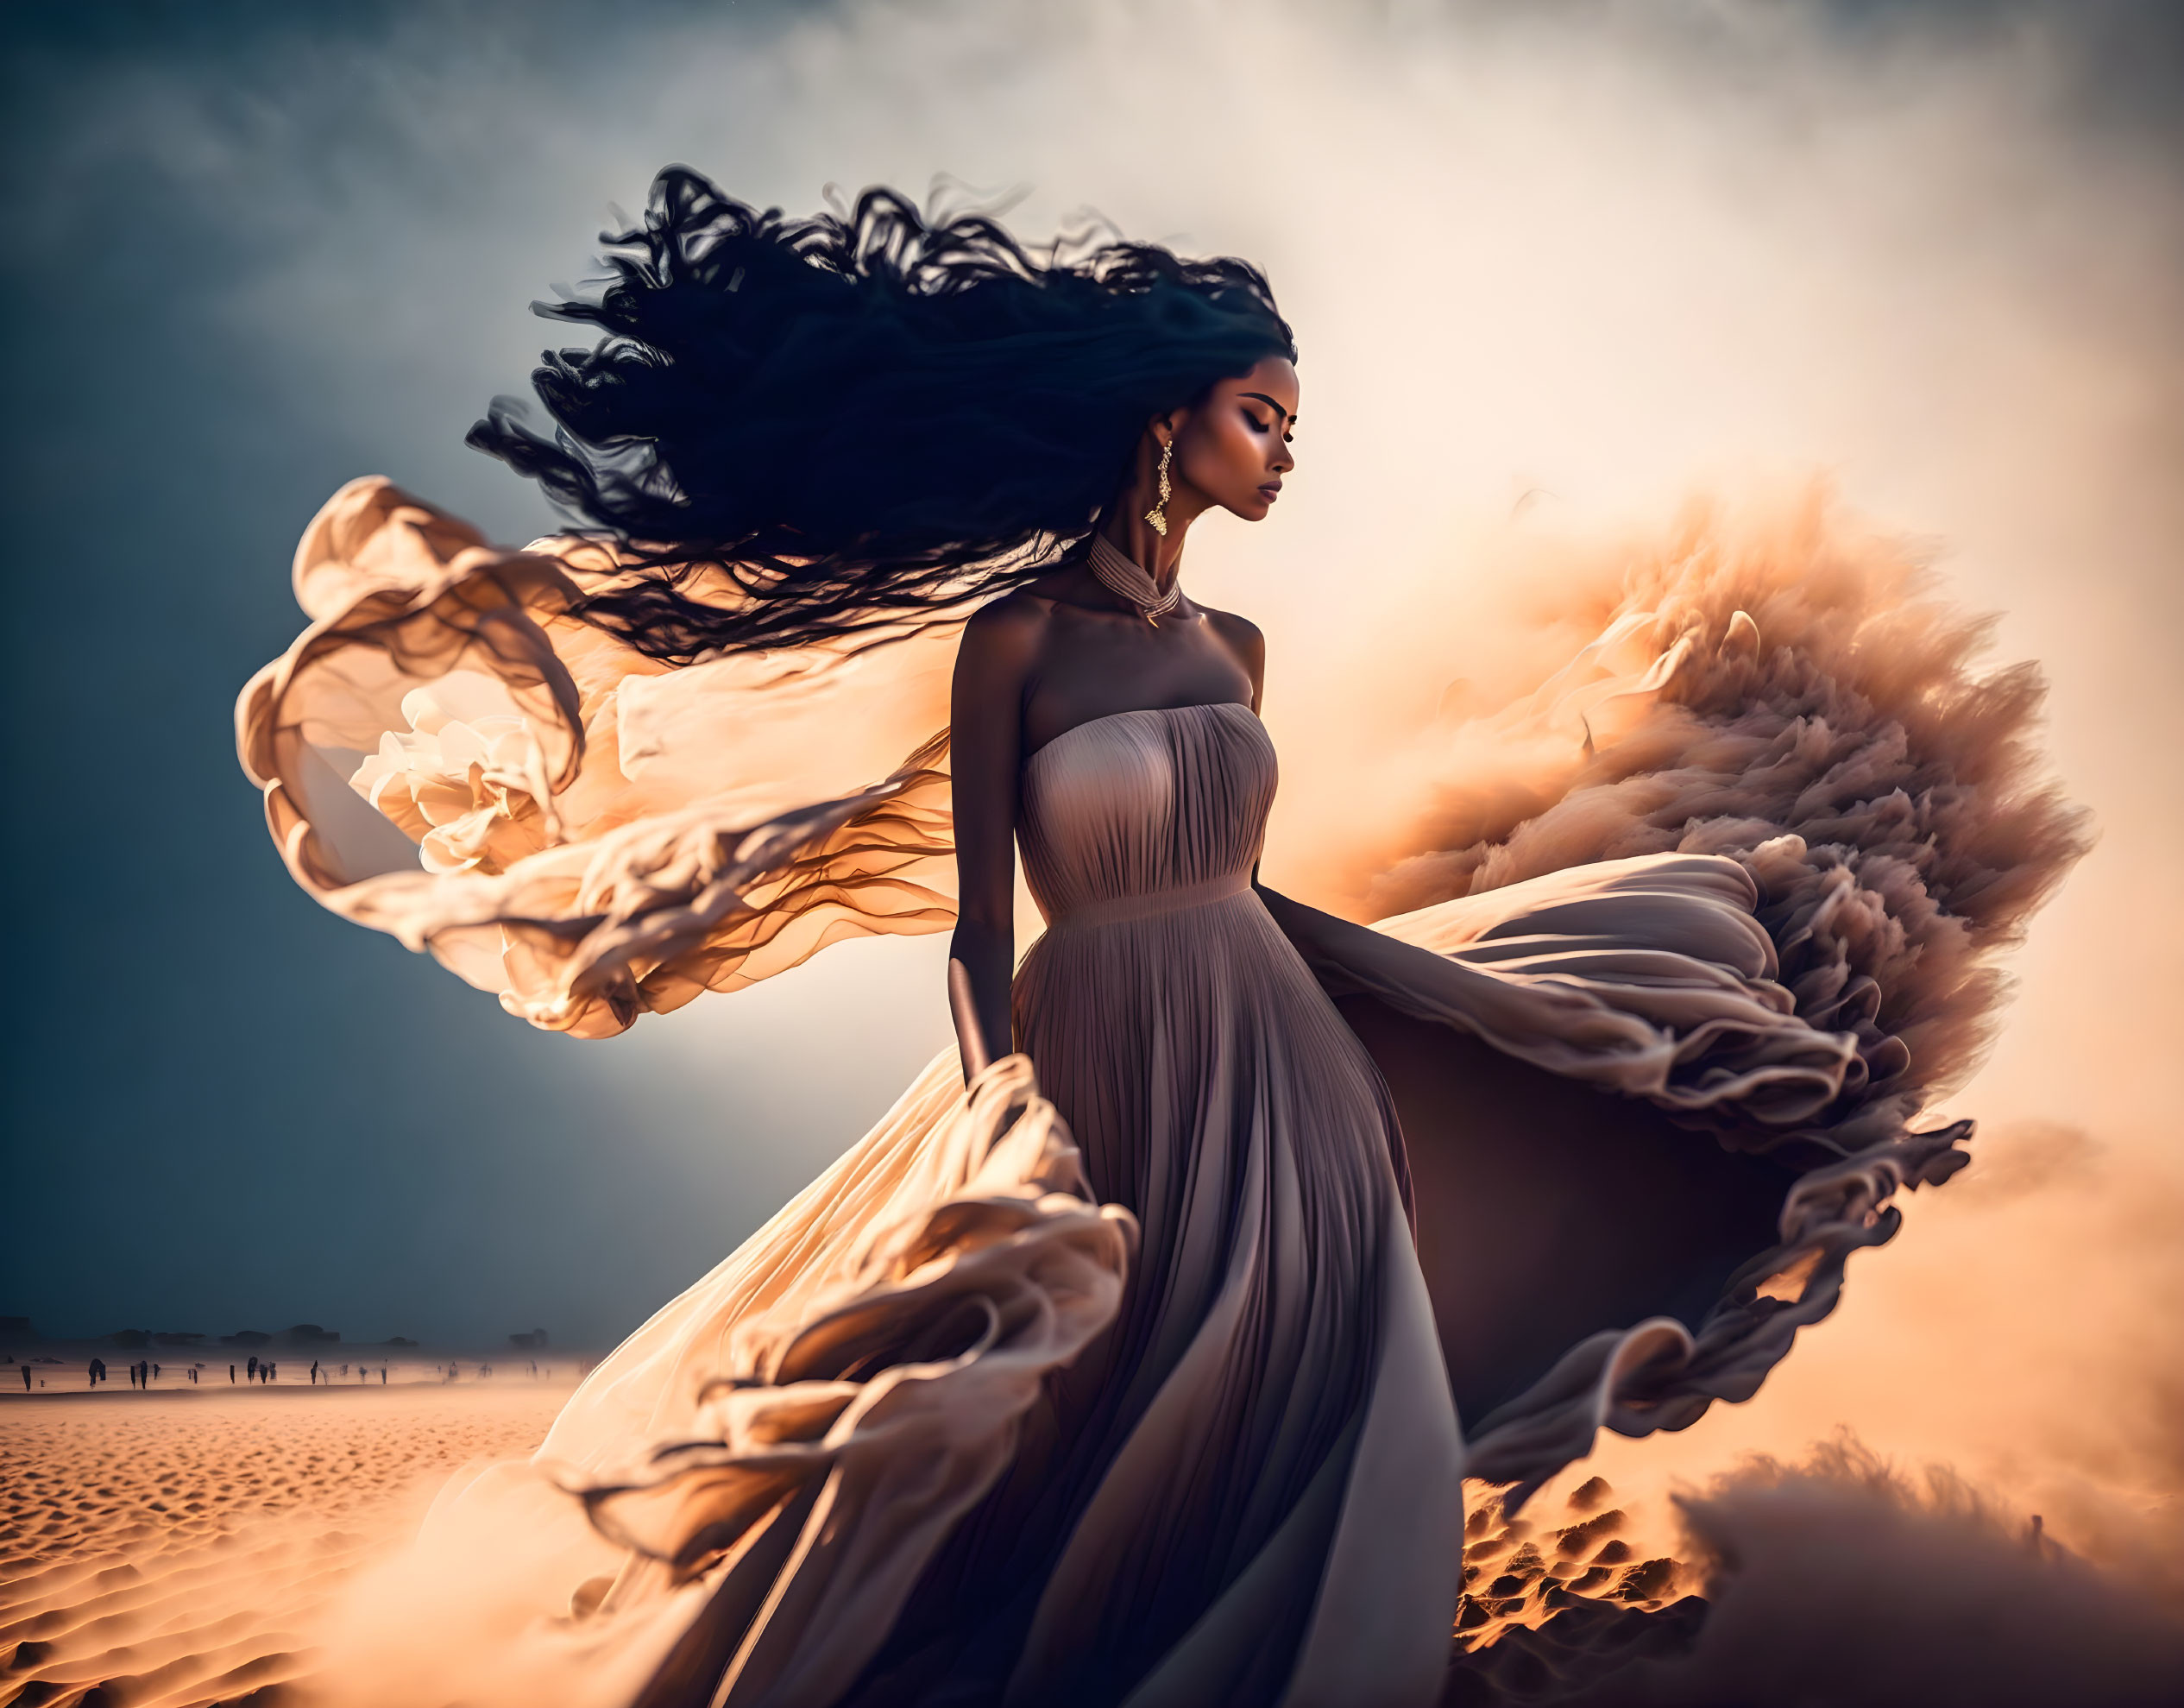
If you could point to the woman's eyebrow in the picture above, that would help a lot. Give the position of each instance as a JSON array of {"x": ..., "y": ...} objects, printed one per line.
[{"x": 1263, "y": 398}]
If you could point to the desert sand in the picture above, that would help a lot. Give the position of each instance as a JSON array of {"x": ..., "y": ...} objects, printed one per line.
[
  {"x": 178, "y": 1548},
  {"x": 174, "y": 1547}
]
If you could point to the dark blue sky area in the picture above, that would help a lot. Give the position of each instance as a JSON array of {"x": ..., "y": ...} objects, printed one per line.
[{"x": 225, "y": 1107}]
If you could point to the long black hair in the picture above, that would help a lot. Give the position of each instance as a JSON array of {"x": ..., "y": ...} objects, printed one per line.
[{"x": 862, "y": 417}]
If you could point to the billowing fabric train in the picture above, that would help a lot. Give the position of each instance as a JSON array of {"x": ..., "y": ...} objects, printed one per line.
[{"x": 1679, "y": 948}]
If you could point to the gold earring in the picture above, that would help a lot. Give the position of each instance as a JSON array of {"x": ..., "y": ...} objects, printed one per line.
[{"x": 1158, "y": 514}]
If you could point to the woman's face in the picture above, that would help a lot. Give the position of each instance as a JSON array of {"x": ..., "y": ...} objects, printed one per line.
[{"x": 1232, "y": 449}]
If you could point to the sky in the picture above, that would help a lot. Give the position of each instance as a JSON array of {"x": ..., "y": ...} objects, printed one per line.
[{"x": 1613, "y": 254}]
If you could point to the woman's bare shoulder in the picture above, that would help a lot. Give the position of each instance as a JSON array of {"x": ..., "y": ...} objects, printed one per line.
[
  {"x": 1006, "y": 631},
  {"x": 1243, "y": 636}
]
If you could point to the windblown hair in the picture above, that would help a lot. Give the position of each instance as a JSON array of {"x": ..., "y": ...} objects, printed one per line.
[{"x": 859, "y": 419}]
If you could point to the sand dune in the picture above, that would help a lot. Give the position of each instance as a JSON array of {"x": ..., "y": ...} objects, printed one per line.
[
  {"x": 174, "y": 1548},
  {"x": 177, "y": 1549}
]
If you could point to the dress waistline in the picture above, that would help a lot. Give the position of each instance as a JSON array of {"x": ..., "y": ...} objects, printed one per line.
[{"x": 1152, "y": 904}]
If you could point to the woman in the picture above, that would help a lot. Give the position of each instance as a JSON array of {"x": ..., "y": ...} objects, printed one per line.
[{"x": 1132, "y": 1384}]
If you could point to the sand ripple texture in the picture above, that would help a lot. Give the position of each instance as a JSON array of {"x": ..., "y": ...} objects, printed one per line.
[
  {"x": 164, "y": 1550},
  {"x": 173, "y": 1550}
]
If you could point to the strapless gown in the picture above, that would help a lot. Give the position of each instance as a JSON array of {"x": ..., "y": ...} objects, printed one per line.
[
  {"x": 1132, "y": 1373},
  {"x": 1229, "y": 1469},
  {"x": 1118, "y": 1380},
  {"x": 1248, "y": 1490}
]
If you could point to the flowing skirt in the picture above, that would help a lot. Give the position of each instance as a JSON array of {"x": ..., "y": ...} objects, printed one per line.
[{"x": 1248, "y": 1490}]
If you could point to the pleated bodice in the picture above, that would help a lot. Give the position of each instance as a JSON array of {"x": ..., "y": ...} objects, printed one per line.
[{"x": 1139, "y": 811}]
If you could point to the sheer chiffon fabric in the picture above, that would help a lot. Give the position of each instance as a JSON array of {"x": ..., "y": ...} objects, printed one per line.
[
  {"x": 448, "y": 755},
  {"x": 896, "y": 1449},
  {"x": 921, "y": 1441},
  {"x": 1124, "y": 1383}
]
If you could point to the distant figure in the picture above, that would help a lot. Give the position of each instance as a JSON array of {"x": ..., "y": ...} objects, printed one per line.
[
  {"x": 253, "y": 1367},
  {"x": 155, "y": 1370},
  {"x": 98, "y": 1372},
  {"x": 383, "y": 1376},
  {"x": 231, "y": 1376},
  {"x": 314, "y": 1373},
  {"x": 25, "y": 1378}
]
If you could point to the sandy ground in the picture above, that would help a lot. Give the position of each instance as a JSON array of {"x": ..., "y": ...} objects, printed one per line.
[
  {"x": 177, "y": 1549},
  {"x": 172, "y": 1548}
]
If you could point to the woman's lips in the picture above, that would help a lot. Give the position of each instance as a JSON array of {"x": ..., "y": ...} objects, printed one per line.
[{"x": 1270, "y": 491}]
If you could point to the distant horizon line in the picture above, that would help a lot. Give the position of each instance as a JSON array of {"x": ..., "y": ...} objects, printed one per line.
[{"x": 297, "y": 1337}]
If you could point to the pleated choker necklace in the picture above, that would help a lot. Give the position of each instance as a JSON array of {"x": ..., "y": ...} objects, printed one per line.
[{"x": 1125, "y": 578}]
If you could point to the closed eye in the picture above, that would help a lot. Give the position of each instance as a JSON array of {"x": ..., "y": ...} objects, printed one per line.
[{"x": 1287, "y": 436}]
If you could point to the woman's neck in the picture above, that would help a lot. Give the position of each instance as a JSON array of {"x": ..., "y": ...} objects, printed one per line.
[{"x": 1133, "y": 536}]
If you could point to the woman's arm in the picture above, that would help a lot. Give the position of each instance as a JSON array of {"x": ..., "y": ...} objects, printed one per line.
[
  {"x": 1249, "y": 647},
  {"x": 1244, "y": 640},
  {"x": 1320, "y": 937},
  {"x": 994, "y": 664}
]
